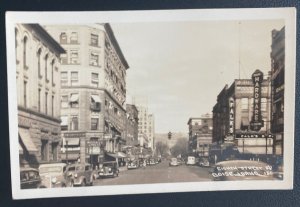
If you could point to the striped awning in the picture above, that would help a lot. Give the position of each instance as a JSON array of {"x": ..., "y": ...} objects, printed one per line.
[{"x": 27, "y": 141}]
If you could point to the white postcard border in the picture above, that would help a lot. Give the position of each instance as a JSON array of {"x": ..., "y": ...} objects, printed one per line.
[{"x": 288, "y": 14}]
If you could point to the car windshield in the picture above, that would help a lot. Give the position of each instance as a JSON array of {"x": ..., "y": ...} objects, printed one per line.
[
  {"x": 108, "y": 164},
  {"x": 51, "y": 169},
  {"x": 79, "y": 168}
]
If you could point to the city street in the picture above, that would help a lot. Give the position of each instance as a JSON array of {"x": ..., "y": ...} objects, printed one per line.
[{"x": 160, "y": 173}]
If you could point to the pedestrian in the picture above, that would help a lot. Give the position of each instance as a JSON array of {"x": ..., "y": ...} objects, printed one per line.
[{"x": 144, "y": 164}]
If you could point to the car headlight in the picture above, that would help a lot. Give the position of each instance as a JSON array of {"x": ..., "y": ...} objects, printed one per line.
[
  {"x": 54, "y": 180},
  {"x": 75, "y": 175},
  {"x": 109, "y": 169}
]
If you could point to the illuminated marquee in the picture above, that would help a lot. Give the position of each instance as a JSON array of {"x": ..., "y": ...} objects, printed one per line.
[{"x": 257, "y": 123}]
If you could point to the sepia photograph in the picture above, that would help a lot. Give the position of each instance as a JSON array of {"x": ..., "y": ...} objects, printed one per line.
[{"x": 150, "y": 102}]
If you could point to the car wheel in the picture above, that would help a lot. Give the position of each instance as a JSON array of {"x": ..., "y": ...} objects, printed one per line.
[{"x": 63, "y": 185}]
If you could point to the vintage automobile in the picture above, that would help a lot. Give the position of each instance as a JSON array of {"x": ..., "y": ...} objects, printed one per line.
[
  {"x": 242, "y": 170},
  {"x": 80, "y": 174},
  {"x": 132, "y": 164},
  {"x": 55, "y": 175},
  {"x": 109, "y": 169},
  {"x": 173, "y": 162},
  {"x": 204, "y": 162},
  {"x": 30, "y": 178},
  {"x": 152, "y": 161},
  {"x": 191, "y": 160}
]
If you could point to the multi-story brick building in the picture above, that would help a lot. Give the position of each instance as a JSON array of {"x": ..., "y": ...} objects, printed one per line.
[
  {"x": 200, "y": 134},
  {"x": 132, "y": 125},
  {"x": 277, "y": 79},
  {"x": 242, "y": 115},
  {"x": 93, "y": 91},
  {"x": 146, "y": 123},
  {"x": 38, "y": 95}
]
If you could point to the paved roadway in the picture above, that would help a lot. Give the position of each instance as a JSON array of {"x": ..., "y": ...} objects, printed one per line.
[{"x": 159, "y": 173}]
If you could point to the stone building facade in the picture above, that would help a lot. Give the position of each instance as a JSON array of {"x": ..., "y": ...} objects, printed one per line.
[
  {"x": 38, "y": 95},
  {"x": 93, "y": 81},
  {"x": 200, "y": 135},
  {"x": 132, "y": 125},
  {"x": 277, "y": 79},
  {"x": 242, "y": 116}
]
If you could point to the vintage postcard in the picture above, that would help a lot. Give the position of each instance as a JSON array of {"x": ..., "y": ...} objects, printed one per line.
[{"x": 129, "y": 102}]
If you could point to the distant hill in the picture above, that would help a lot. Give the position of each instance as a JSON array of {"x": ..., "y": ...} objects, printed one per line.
[{"x": 163, "y": 137}]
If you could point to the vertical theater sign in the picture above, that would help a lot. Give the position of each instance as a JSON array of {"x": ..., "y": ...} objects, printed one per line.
[{"x": 256, "y": 122}]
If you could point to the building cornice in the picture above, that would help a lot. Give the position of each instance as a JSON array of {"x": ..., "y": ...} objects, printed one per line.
[
  {"x": 42, "y": 33},
  {"x": 115, "y": 43},
  {"x": 28, "y": 110}
]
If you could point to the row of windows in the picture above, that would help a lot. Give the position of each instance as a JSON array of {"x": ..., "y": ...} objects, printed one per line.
[
  {"x": 46, "y": 101},
  {"x": 73, "y": 124},
  {"x": 245, "y": 103},
  {"x": 74, "y": 79},
  {"x": 74, "y": 39},
  {"x": 72, "y": 57},
  {"x": 46, "y": 60},
  {"x": 73, "y": 101}
]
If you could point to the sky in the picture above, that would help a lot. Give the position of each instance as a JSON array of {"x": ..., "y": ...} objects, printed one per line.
[{"x": 180, "y": 67}]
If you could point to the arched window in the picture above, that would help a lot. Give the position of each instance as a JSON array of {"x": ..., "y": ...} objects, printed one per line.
[
  {"x": 39, "y": 52},
  {"x": 63, "y": 38},
  {"x": 25, "y": 45},
  {"x": 52, "y": 72},
  {"x": 46, "y": 68},
  {"x": 16, "y": 44}
]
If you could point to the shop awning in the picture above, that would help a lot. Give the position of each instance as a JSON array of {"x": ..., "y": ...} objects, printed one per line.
[
  {"x": 96, "y": 98},
  {"x": 27, "y": 141},
  {"x": 74, "y": 97},
  {"x": 117, "y": 155},
  {"x": 71, "y": 141},
  {"x": 71, "y": 156},
  {"x": 20, "y": 149},
  {"x": 121, "y": 154},
  {"x": 64, "y": 121}
]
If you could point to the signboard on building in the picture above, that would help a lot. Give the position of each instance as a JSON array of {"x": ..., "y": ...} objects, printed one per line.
[
  {"x": 257, "y": 123},
  {"x": 93, "y": 147},
  {"x": 253, "y": 135},
  {"x": 74, "y": 134},
  {"x": 231, "y": 116}
]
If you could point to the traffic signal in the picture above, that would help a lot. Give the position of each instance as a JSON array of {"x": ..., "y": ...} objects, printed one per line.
[{"x": 169, "y": 135}]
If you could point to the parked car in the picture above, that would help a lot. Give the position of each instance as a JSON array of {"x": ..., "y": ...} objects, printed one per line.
[
  {"x": 191, "y": 160},
  {"x": 173, "y": 162},
  {"x": 109, "y": 169},
  {"x": 204, "y": 162},
  {"x": 132, "y": 164},
  {"x": 148, "y": 161},
  {"x": 80, "y": 174},
  {"x": 152, "y": 161},
  {"x": 180, "y": 161},
  {"x": 242, "y": 170},
  {"x": 55, "y": 175},
  {"x": 30, "y": 178}
]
